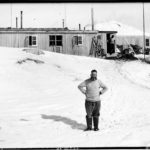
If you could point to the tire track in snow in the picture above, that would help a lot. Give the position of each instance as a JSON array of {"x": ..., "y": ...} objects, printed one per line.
[{"x": 126, "y": 75}]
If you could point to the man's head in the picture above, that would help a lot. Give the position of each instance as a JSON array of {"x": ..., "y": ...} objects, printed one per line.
[
  {"x": 94, "y": 75},
  {"x": 112, "y": 36}
]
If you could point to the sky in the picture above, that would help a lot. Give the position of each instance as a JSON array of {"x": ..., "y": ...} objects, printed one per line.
[{"x": 52, "y": 14}]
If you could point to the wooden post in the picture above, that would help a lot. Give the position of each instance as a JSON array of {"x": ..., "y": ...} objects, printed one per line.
[
  {"x": 79, "y": 26},
  {"x": 16, "y": 22},
  {"x": 63, "y": 23}
]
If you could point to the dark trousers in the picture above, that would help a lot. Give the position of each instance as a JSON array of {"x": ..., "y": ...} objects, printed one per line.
[
  {"x": 92, "y": 113},
  {"x": 92, "y": 109}
]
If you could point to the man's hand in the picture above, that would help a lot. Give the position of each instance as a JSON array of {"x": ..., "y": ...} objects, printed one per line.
[
  {"x": 83, "y": 91},
  {"x": 104, "y": 88}
]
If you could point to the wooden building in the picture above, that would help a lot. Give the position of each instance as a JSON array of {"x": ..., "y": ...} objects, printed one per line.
[{"x": 61, "y": 40}]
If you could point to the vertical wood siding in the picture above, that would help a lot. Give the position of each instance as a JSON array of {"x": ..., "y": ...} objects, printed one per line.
[{"x": 20, "y": 40}]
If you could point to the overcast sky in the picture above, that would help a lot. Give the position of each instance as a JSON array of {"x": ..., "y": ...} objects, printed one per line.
[{"x": 51, "y": 15}]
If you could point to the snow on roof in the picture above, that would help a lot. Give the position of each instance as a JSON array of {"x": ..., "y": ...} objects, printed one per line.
[{"x": 122, "y": 29}]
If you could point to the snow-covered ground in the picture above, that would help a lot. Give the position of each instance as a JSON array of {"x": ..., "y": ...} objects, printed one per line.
[{"x": 41, "y": 106}]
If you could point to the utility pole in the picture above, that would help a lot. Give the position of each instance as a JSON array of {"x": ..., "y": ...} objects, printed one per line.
[
  {"x": 92, "y": 18},
  {"x": 143, "y": 32},
  {"x": 11, "y": 13},
  {"x": 21, "y": 21},
  {"x": 65, "y": 19}
]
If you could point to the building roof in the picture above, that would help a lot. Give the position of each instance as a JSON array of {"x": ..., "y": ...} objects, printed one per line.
[
  {"x": 46, "y": 30},
  {"x": 111, "y": 32},
  {"x": 33, "y": 29}
]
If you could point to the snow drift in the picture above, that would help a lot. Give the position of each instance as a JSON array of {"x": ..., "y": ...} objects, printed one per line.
[{"x": 41, "y": 106}]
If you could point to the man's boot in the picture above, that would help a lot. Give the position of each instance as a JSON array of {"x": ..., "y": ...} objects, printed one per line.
[
  {"x": 89, "y": 123},
  {"x": 96, "y": 121}
]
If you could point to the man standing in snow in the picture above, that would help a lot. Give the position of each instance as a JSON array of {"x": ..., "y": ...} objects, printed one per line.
[{"x": 91, "y": 88}]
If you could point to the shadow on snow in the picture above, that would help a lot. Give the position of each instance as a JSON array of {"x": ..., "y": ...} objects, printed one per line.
[{"x": 74, "y": 124}]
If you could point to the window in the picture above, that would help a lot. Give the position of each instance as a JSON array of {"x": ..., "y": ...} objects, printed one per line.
[
  {"x": 147, "y": 42},
  {"x": 55, "y": 40},
  {"x": 32, "y": 40},
  {"x": 77, "y": 40}
]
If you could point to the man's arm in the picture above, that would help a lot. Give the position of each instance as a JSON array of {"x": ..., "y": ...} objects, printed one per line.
[
  {"x": 104, "y": 88},
  {"x": 82, "y": 86}
]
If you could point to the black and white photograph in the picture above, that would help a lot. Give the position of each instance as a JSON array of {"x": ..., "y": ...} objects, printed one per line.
[{"x": 74, "y": 75}]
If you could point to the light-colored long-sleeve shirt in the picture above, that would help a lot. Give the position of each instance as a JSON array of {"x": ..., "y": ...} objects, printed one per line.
[{"x": 92, "y": 89}]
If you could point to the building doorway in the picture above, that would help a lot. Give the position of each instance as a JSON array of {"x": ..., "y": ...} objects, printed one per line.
[{"x": 110, "y": 43}]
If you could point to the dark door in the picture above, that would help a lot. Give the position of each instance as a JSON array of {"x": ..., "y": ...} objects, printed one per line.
[{"x": 110, "y": 43}]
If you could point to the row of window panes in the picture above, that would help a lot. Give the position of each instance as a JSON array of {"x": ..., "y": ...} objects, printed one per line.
[
  {"x": 57, "y": 40},
  {"x": 54, "y": 40}
]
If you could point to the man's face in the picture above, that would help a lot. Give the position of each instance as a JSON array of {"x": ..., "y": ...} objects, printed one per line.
[{"x": 93, "y": 75}]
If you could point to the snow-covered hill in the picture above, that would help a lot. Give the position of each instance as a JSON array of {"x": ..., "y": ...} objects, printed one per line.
[
  {"x": 41, "y": 106},
  {"x": 122, "y": 29}
]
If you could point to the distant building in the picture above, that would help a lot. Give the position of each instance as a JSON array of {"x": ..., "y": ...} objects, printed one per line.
[{"x": 61, "y": 40}]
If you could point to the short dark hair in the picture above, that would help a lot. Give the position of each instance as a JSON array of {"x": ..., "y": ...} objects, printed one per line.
[
  {"x": 112, "y": 36},
  {"x": 94, "y": 71}
]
